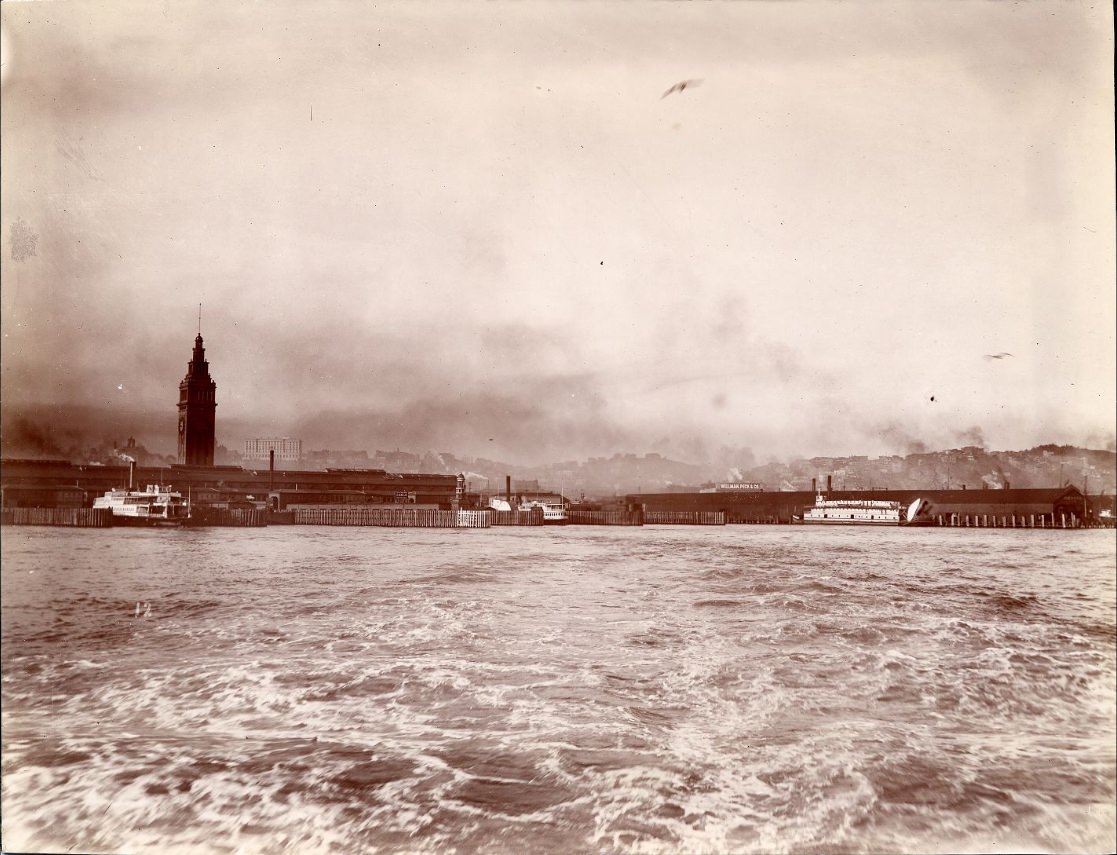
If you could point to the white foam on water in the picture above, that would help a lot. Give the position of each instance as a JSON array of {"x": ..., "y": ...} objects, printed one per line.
[{"x": 658, "y": 692}]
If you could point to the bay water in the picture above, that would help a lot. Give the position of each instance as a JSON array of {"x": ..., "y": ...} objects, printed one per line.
[{"x": 737, "y": 689}]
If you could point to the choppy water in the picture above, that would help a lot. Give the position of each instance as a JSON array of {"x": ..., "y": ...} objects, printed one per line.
[{"x": 737, "y": 689}]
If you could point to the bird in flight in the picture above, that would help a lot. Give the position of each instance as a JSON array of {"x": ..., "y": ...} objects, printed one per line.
[
  {"x": 679, "y": 87},
  {"x": 1000, "y": 355}
]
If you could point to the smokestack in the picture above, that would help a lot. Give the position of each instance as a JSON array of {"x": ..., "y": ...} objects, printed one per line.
[
  {"x": 829, "y": 484},
  {"x": 131, "y": 474},
  {"x": 508, "y": 489},
  {"x": 271, "y": 469},
  {"x": 814, "y": 485}
]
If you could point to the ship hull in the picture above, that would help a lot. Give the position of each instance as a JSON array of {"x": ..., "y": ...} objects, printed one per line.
[
  {"x": 157, "y": 506},
  {"x": 852, "y": 512},
  {"x": 144, "y": 522},
  {"x": 850, "y": 522}
]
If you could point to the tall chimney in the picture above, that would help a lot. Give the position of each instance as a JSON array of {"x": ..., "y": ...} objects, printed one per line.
[{"x": 271, "y": 469}]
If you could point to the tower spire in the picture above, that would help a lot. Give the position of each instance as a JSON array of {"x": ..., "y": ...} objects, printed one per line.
[{"x": 197, "y": 401}]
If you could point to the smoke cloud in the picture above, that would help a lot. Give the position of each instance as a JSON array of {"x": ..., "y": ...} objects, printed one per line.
[{"x": 484, "y": 232}]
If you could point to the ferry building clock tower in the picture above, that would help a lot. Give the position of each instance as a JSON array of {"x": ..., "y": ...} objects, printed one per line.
[{"x": 197, "y": 405}]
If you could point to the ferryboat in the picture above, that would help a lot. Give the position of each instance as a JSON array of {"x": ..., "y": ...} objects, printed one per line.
[
  {"x": 554, "y": 512},
  {"x": 157, "y": 505},
  {"x": 852, "y": 512}
]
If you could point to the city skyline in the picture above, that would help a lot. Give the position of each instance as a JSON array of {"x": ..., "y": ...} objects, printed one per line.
[{"x": 507, "y": 231}]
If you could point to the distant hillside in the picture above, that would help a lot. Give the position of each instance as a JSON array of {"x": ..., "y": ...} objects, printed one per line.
[
  {"x": 972, "y": 467},
  {"x": 101, "y": 435}
]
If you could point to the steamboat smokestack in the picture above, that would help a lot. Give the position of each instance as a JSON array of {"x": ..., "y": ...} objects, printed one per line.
[
  {"x": 131, "y": 475},
  {"x": 829, "y": 484},
  {"x": 271, "y": 469},
  {"x": 814, "y": 485},
  {"x": 508, "y": 489}
]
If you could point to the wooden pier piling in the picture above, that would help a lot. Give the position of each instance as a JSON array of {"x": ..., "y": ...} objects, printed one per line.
[
  {"x": 360, "y": 515},
  {"x": 68, "y": 517},
  {"x": 684, "y": 517},
  {"x": 476, "y": 519},
  {"x": 625, "y": 518},
  {"x": 392, "y": 517},
  {"x": 207, "y": 517}
]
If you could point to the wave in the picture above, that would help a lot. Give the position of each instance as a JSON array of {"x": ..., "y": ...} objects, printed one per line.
[{"x": 725, "y": 691}]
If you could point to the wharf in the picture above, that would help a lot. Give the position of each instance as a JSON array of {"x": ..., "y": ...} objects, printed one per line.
[{"x": 67, "y": 517}]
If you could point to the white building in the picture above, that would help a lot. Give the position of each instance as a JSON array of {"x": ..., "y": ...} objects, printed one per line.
[{"x": 286, "y": 450}]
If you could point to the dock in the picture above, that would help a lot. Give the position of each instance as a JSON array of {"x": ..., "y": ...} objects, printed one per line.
[{"x": 68, "y": 517}]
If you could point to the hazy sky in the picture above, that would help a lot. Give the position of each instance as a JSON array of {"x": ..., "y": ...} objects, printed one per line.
[{"x": 483, "y": 228}]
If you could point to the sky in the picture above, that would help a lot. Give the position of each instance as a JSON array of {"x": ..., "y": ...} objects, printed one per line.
[{"x": 498, "y": 230}]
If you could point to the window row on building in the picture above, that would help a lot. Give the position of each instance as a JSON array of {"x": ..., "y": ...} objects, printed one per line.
[{"x": 285, "y": 448}]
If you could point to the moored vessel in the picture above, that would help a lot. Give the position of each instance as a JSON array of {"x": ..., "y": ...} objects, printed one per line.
[
  {"x": 554, "y": 512},
  {"x": 852, "y": 512},
  {"x": 157, "y": 505}
]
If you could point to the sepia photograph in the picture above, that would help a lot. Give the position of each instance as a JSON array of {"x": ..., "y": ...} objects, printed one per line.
[{"x": 617, "y": 427}]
